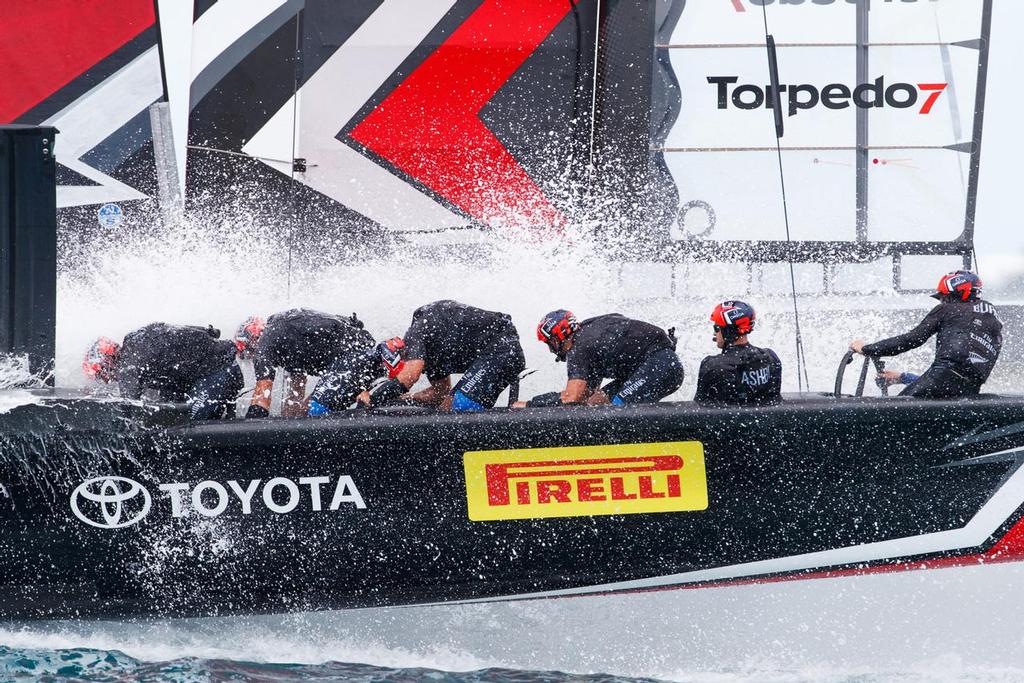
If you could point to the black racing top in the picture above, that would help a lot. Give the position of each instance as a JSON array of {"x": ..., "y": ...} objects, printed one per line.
[
  {"x": 350, "y": 375},
  {"x": 740, "y": 375},
  {"x": 969, "y": 338},
  {"x": 170, "y": 359},
  {"x": 449, "y": 336},
  {"x": 613, "y": 346},
  {"x": 307, "y": 341}
]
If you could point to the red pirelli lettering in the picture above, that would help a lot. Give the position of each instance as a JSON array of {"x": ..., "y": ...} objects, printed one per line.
[
  {"x": 557, "y": 491},
  {"x": 500, "y": 476},
  {"x": 590, "y": 489}
]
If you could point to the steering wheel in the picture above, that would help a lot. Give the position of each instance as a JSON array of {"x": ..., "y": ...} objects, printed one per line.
[{"x": 868, "y": 360}]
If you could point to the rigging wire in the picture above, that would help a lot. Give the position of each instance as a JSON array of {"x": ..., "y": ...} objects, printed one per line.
[
  {"x": 292, "y": 198},
  {"x": 801, "y": 359},
  {"x": 232, "y": 153}
]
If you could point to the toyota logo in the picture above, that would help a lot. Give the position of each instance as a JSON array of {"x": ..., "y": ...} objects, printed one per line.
[{"x": 110, "y": 502}]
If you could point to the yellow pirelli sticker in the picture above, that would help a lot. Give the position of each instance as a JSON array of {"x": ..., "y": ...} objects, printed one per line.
[{"x": 583, "y": 481}]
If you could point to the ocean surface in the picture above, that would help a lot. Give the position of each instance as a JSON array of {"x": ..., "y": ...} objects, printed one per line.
[
  {"x": 100, "y": 665},
  {"x": 948, "y": 625}
]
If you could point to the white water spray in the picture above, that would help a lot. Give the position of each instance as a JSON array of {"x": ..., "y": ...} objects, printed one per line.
[{"x": 218, "y": 267}]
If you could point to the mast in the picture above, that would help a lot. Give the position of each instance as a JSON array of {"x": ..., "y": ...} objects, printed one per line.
[
  {"x": 863, "y": 36},
  {"x": 979, "y": 123}
]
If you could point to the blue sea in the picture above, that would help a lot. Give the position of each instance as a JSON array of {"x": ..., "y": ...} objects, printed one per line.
[{"x": 99, "y": 665}]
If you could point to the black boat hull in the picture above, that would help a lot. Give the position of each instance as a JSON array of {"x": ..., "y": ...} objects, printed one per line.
[{"x": 111, "y": 512}]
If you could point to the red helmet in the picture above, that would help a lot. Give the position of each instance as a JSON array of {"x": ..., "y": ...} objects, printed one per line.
[
  {"x": 390, "y": 352},
  {"x": 100, "y": 362},
  {"x": 556, "y": 327},
  {"x": 733, "y": 318},
  {"x": 961, "y": 285},
  {"x": 247, "y": 335}
]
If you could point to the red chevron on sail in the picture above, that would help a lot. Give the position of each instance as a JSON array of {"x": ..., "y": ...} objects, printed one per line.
[
  {"x": 48, "y": 44},
  {"x": 429, "y": 126}
]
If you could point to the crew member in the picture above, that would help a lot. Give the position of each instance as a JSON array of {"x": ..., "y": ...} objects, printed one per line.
[
  {"x": 969, "y": 338},
  {"x": 639, "y": 358},
  {"x": 179, "y": 363},
  {"x": 301, "y": 341},
  {"x": 447, "y": 337},
  {"x": 743, "y": 374},
  {"x": 353, "y": 374}
]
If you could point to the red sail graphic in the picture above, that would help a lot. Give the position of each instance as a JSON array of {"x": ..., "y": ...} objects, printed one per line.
[
  {"x": 49, "y": 43},
  {"x": 429, "y": 126}
]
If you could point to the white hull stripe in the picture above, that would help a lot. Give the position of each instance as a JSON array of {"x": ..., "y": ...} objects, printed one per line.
[{"x": 986, "y": 522}]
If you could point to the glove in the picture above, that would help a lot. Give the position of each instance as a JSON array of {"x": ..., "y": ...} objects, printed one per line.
[
  {"x": 256, "y": 411},
  {"x": 317, "y": 409},
  {"x": 548, "y": 400},
  {"x": 388, "y": 391}
]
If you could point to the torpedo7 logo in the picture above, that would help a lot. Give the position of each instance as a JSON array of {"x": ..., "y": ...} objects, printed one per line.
[
  {"x": 585, "y": 481},
  {"x": 832, "y": 96}
]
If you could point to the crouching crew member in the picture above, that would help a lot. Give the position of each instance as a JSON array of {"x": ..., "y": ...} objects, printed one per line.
[
  {"x": 352, "y": 375},
  {"x": 447, "y": 337},
  {"x": 969, "y": 338},
  {"x": 301, "y": 341},
  {"x": 639, "y": 358},
  {"x": 742, "y": 374},
  {"x": 177, "y": 363}
]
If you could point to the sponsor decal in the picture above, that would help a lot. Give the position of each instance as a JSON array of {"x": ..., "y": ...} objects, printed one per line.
[
  {"x": 110, "y": 502},
  {"x": 113, "y": 502},
  {"x": 986, "y": 342},
  {"x": 109, "y": 216},
  {"x": 757, "y": 377},
  {"x": 984, "y": 307},
  {"x": 832, "y": 96},
  {"x": 582, "y": 481}
]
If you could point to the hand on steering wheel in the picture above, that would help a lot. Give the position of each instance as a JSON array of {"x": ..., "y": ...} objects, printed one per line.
[{"x": 890, "y": 377}]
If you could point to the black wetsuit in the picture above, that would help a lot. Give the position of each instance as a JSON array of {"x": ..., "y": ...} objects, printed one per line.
[
  {"x": 455, "y": 338},
  {"x": 969, "y": 338},
  {"x": 347, "y": 377},
  {"x": 740, "y": 375},
  {"x": 638, "y": 357},
  {"x": 308, "y": 342},
  {"x": 181, "y": 363}
]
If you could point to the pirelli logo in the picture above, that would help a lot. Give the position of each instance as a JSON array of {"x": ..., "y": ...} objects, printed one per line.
[{"x": 582, "y": 481}]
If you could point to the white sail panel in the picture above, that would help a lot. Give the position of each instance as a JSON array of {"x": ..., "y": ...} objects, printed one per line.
[{"x": 919, "y": 97}]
